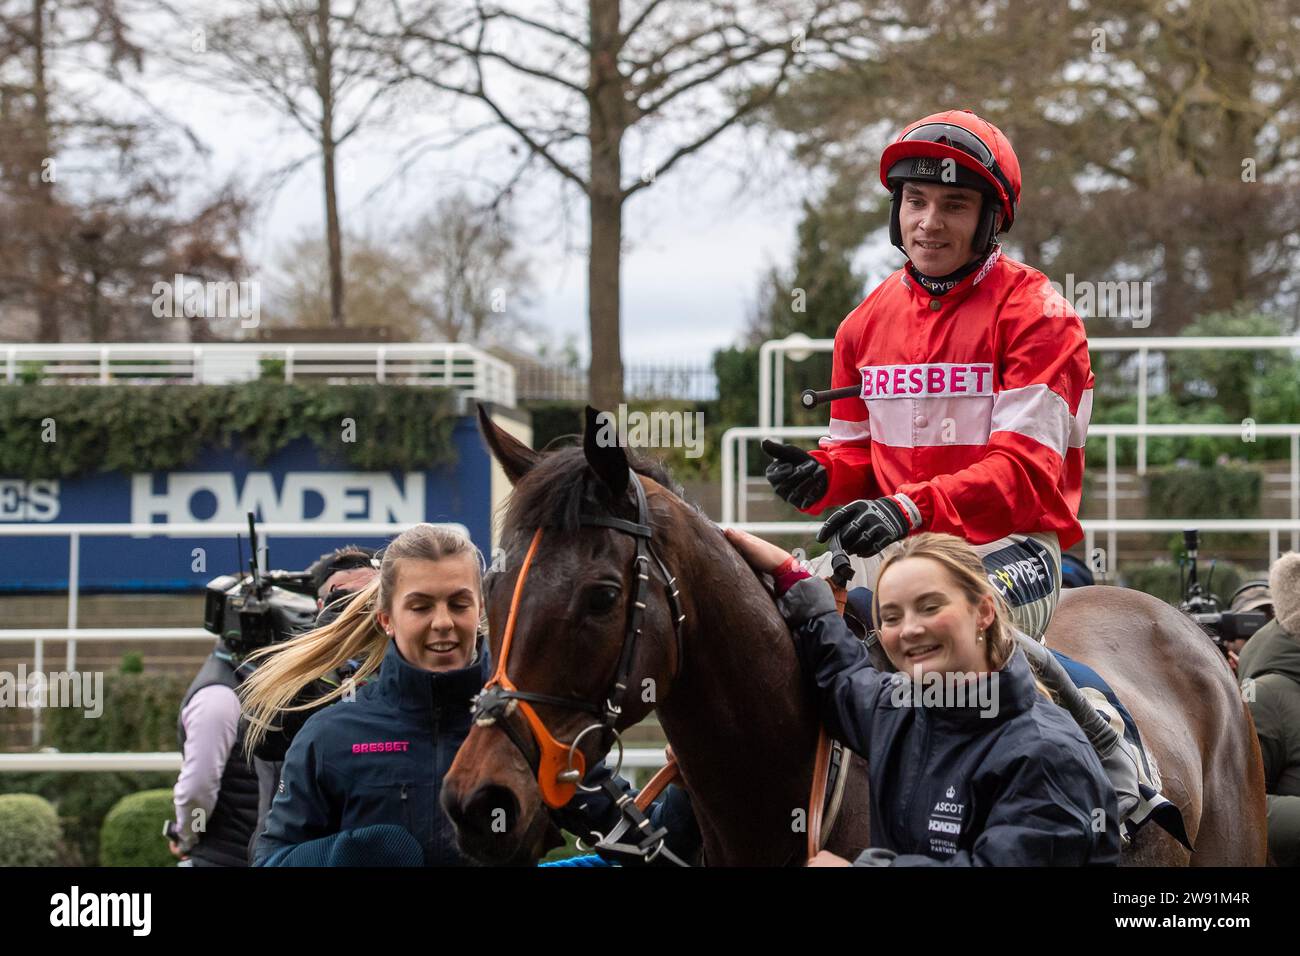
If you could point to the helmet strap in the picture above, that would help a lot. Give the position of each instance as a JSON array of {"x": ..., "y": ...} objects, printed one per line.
[
  {"x": 984, "y": 239},
  {"x": 982, "y": 242},
  {"x": 895, "y": 229}
]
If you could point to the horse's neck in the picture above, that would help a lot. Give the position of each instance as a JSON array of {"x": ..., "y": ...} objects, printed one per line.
[{"x": 740, "y": 719}]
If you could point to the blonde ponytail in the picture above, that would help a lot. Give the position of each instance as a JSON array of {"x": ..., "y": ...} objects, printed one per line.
[{"x": 283, "y": 670}]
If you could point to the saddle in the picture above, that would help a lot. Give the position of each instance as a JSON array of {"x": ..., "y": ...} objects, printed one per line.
[{"x": 1151, "y": 803}]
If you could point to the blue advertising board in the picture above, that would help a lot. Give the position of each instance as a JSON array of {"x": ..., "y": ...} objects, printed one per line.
[{"x": 222, "y": 486}]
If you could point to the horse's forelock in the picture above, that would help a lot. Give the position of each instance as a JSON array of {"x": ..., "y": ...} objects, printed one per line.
[{"x": 561, "y": 487}]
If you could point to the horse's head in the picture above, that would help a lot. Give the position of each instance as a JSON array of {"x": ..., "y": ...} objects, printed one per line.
[{"x": 577, "y": 633}]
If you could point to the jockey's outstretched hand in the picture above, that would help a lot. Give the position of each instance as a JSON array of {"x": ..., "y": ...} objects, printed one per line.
[
  {"x": 795, "y": 475},
  {"x": 867, "y": 527}
]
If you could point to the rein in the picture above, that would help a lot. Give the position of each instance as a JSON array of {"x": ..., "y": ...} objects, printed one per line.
[{"x": 559, "y": 768}]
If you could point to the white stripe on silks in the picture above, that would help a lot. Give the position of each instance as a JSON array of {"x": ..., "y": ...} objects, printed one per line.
[
  {"x": 1079, "y": 421},
  {"x": 842, "y": 431},
  {"x": 1036, "y": 412},
  {"x": 910, "y": 509},
  {"x": 930, "y": 422}
]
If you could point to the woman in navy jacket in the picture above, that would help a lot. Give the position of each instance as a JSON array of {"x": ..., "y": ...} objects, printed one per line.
[
  {"x": 970, "y": 762},
  {"x": 362, "y": 779}
]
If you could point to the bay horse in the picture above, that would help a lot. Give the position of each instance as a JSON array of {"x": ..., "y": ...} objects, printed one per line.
[{"x": 741, "y": 718}]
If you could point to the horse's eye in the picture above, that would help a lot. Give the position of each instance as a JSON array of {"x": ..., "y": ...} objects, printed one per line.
[{"x": 601, "y": 599}]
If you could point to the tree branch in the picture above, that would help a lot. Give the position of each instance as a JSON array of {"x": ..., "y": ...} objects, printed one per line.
[
  {"x": 635, "y": 25},
  {"x": 753, "y": 103},
  {"x": 478, "y": 51},
  {"x": 510, "y": 124},
  {"x": 537, "y": 25},
  {"x": 655, "y": 105}
]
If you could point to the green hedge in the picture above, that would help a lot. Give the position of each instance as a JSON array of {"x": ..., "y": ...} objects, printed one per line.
[
  {"x": 139, "y": 715},
  {"x": 129, "y": 428},
  {"x": 132, "y": 832},
  {"x": 83, "y": 800},
  {"x": 29, "y": 831},
  {"x": 1220, "y": 491},
  {"x": 1161, "y": 579},
  {"x": 140, "y": 712}
]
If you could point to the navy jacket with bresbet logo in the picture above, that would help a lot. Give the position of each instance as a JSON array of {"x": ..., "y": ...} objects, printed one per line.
[
  {"x": 1015, "y": 785},
  {"x": 359, "y": 769}
]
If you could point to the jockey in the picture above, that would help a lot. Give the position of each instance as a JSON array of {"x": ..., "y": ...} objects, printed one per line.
[
  {"x": 975, "y": 388},
  {"x": 975, "y": 382}
]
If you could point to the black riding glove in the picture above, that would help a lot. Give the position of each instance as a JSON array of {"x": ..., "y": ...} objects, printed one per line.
[
  {"x": 867, "y": 527},
  {"x": 795, "y": 475}
]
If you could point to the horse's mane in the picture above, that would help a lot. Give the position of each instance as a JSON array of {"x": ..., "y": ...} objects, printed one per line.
[{"x": 561, "y": 487}]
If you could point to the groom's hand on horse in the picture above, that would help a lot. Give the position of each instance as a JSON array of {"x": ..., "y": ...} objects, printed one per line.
[
  {"x": 867, "y": 527},
  {"x": 794, "y": 474},
  {"x": 763, "y": 556}
]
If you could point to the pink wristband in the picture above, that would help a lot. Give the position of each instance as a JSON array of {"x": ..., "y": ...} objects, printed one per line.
[{"x": 787, "y": 575}]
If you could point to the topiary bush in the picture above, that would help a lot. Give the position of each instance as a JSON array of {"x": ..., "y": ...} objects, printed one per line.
[
  {"x": 30, "y": 834},
  {"x": 132, "y": 831},
  {"x": 83, "y": 800}
]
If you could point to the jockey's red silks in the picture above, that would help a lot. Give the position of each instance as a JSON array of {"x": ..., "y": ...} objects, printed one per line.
[{"x": 972, "y": 408}]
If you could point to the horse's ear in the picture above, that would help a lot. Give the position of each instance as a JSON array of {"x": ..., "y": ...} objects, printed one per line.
[
  {"x": 516, "y": 458},
  {"x": 604, "y": 454}
]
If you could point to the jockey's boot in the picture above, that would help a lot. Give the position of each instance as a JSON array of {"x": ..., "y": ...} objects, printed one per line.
[{"x": 1118, "y": 757}]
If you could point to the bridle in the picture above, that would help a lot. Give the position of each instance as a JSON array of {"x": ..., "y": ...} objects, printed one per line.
[{"x": 559, "y": 767}]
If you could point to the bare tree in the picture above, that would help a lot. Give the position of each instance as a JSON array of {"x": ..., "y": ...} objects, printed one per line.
[
  {"x": 378, "y": 278},
  {"x": 1158, "y": 142},
  {"x": 467, "y": 272},
  {"x": 89, "y": 211},
  {"x": 301, "y": 58},
  {"x": 34, "y": 37},
  {"x": 581, "y": 89},
  {"x": 449, "y": 277}
]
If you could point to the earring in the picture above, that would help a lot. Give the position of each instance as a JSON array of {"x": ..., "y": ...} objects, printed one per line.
[{"x": 980, "y": 638}]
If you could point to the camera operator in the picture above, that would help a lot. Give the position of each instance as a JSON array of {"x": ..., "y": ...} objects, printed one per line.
[
  {"x": 216, "y": 793},
  {"x": 1251, "y": 596},
  {"x": 1269, "y": 670},
  {"x": 336, "y": 576}
]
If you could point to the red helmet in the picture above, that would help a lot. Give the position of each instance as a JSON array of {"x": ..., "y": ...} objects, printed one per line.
[{"x": 983, "y": 156}]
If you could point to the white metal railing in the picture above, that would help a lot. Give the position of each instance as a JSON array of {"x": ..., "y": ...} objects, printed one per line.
[
  {"x": 469, "y": 370},
  {"x": 797, "y": 347},
  {"x": 735, "y": 487},
  {"x": 634, "y": 758},
  {"x": 191, "y": 529}
]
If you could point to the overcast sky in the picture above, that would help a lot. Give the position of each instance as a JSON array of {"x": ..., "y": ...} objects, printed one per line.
[{"x": 696, "y": 242}]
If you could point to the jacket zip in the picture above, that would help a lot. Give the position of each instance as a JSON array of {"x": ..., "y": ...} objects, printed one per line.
[{"x": 904, "y": 836}]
